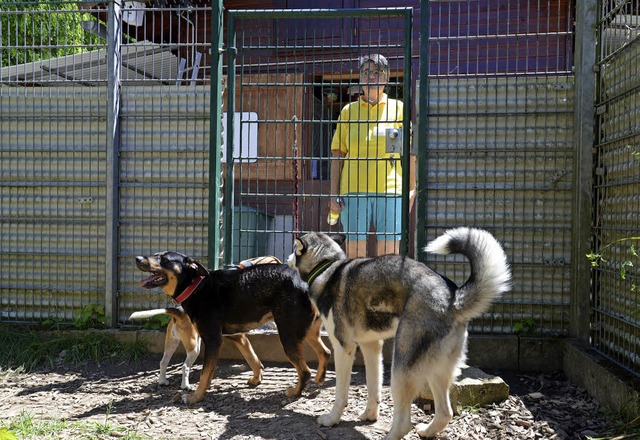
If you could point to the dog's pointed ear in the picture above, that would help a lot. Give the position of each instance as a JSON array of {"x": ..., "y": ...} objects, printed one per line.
[
  {"x": 299, "y": 246},
  {"x": 202, "y": 270},
  {"x": 198, "y": 268},
  {"x": 338, "y": 238}
]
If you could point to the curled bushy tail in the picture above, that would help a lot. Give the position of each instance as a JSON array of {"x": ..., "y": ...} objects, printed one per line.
[{"x": 490, "y": 273}]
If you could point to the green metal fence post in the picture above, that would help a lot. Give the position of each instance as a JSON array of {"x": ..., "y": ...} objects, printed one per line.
[
  {"x": 229, "y": 219},
  {"x": 585, "y": 59},
  {"x": 114, "y": 39},
  {"x": 422, "y": 126},
  {"x": 215, "y": 139},
  {"x": 406, "y": 124}
]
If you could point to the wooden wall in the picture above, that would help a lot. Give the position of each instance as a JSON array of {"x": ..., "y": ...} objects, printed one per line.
[{"x": 276, "y": 101}]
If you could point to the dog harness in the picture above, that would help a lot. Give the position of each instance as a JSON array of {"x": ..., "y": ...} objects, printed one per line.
[
  {"x": 321, "y": 267},
  {"x": 189, "y": 290},
  {"x": 267, "y": 259}
]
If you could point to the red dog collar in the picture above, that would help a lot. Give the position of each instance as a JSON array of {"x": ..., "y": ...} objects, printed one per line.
[{"x": 189, "y": 290}]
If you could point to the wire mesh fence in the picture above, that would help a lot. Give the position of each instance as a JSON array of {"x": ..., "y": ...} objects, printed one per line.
[
  {"x": 294, "y": 75},
  {"x": 53, "y": 165},
  {"x": 86, "y": 170},
  {"x": 498, "y": 151},
  {"x": 500, "y": 148},
  {"x": 615, "y": 329}
]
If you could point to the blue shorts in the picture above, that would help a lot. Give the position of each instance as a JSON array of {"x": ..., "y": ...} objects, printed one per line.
[{"x": 360, "y": 209}]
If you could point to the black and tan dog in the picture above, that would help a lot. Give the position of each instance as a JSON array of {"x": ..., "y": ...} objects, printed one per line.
[
  {"x": 232, "y": 302},
  {"x": 181, "y": 330}
]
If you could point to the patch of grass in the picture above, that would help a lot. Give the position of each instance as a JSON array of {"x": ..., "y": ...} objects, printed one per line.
[
  {"x": 5, "y": 434},
  {"x": 101, "y": 430},
  {"x": 626, "y": 421},
  {"x": 472, "y": 409},
  {"x": 28, "y": 350},
  {"x": 91, "y": 316},
  {"x": 624, "y": 424},
  {"x": 26, "y": 426}
]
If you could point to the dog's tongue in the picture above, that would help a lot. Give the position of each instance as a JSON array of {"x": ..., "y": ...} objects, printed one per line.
[{"x": 150, "y": 282}]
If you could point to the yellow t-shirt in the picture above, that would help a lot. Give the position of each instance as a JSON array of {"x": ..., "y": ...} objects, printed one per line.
[{"x": 361, "y": 136}]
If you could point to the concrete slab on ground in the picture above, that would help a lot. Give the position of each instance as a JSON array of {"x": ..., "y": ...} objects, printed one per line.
[{"x": 473, "y": 387}]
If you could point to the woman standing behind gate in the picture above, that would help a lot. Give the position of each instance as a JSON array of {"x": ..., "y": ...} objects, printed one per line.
[{"x": 369, "y": 180}]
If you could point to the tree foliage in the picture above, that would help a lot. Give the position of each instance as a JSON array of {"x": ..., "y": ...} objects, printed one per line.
[{"x": 38, "y": 30}]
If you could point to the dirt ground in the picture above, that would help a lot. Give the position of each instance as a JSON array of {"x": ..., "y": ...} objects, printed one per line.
[{"x": 127, "y": 395}]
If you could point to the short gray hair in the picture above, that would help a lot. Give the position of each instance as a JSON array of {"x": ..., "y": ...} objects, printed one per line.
[{"x": 377, "y": 59}]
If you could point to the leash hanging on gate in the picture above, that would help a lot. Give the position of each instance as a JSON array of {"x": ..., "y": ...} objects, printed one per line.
[{"x": 296, "y": 177}]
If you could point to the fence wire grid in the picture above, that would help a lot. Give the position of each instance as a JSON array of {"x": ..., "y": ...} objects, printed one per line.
[{"x": 79, "y": 202}]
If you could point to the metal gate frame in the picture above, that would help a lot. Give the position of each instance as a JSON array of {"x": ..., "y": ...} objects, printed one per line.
[
  {"x": 405, "y": 13},
  {"x": 553, "y": 309},
  {"x": 215, "y": 136}
]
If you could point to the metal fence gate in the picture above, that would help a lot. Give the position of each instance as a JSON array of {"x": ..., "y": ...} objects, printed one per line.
[
  {"x": 499, "y": 146},
  {"x": 292, "y": 73},
  {"x": 615, "y": 330}
]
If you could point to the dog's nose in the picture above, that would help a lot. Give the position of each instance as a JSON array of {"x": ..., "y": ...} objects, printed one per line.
[{"x": 139, "y": 259}]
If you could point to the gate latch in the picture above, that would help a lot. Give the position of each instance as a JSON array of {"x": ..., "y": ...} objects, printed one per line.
[{"x": 394, "y": 140}]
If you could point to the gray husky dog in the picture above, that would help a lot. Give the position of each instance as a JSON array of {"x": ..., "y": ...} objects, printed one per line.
[{"x": 366, "y": 300}]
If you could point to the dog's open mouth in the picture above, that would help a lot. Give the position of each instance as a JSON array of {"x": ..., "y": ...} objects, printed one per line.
[{"x": 155, "y": 280}]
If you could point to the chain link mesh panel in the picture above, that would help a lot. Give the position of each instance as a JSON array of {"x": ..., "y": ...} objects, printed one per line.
[{"x": 615, "y": 329}]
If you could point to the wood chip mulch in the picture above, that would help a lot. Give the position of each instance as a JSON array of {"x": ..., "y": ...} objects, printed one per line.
[{"x": 540, "y": 406}]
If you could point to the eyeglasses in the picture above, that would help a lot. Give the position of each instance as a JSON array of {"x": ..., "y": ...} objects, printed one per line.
[{"x": 376, "y": 72}]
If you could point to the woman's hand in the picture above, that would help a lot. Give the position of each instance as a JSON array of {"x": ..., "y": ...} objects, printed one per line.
[{"x": 336, "y": 204}]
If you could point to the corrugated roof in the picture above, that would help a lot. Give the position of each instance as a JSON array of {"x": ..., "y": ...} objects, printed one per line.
[{"x": 141, "y": 62}]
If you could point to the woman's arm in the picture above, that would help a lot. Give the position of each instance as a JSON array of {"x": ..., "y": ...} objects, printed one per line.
[{"x": 336, "y": 172}]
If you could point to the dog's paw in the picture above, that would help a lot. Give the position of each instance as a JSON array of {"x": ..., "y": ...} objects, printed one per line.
[
  {"x": 190, "y": 399},
  {"x": 369, "y": 415},
  {"x": 186, "y": 387},
  {"x": 163, "y": 382},
  {"x": 254, "y": 381},
  {"x": 328, "y": 420},
  {"x": 396, "y": 434},
  {"x": 424, "y": 430},
  {"x": 319, "y": 379},
  {"x": 294, "y": 392}
]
